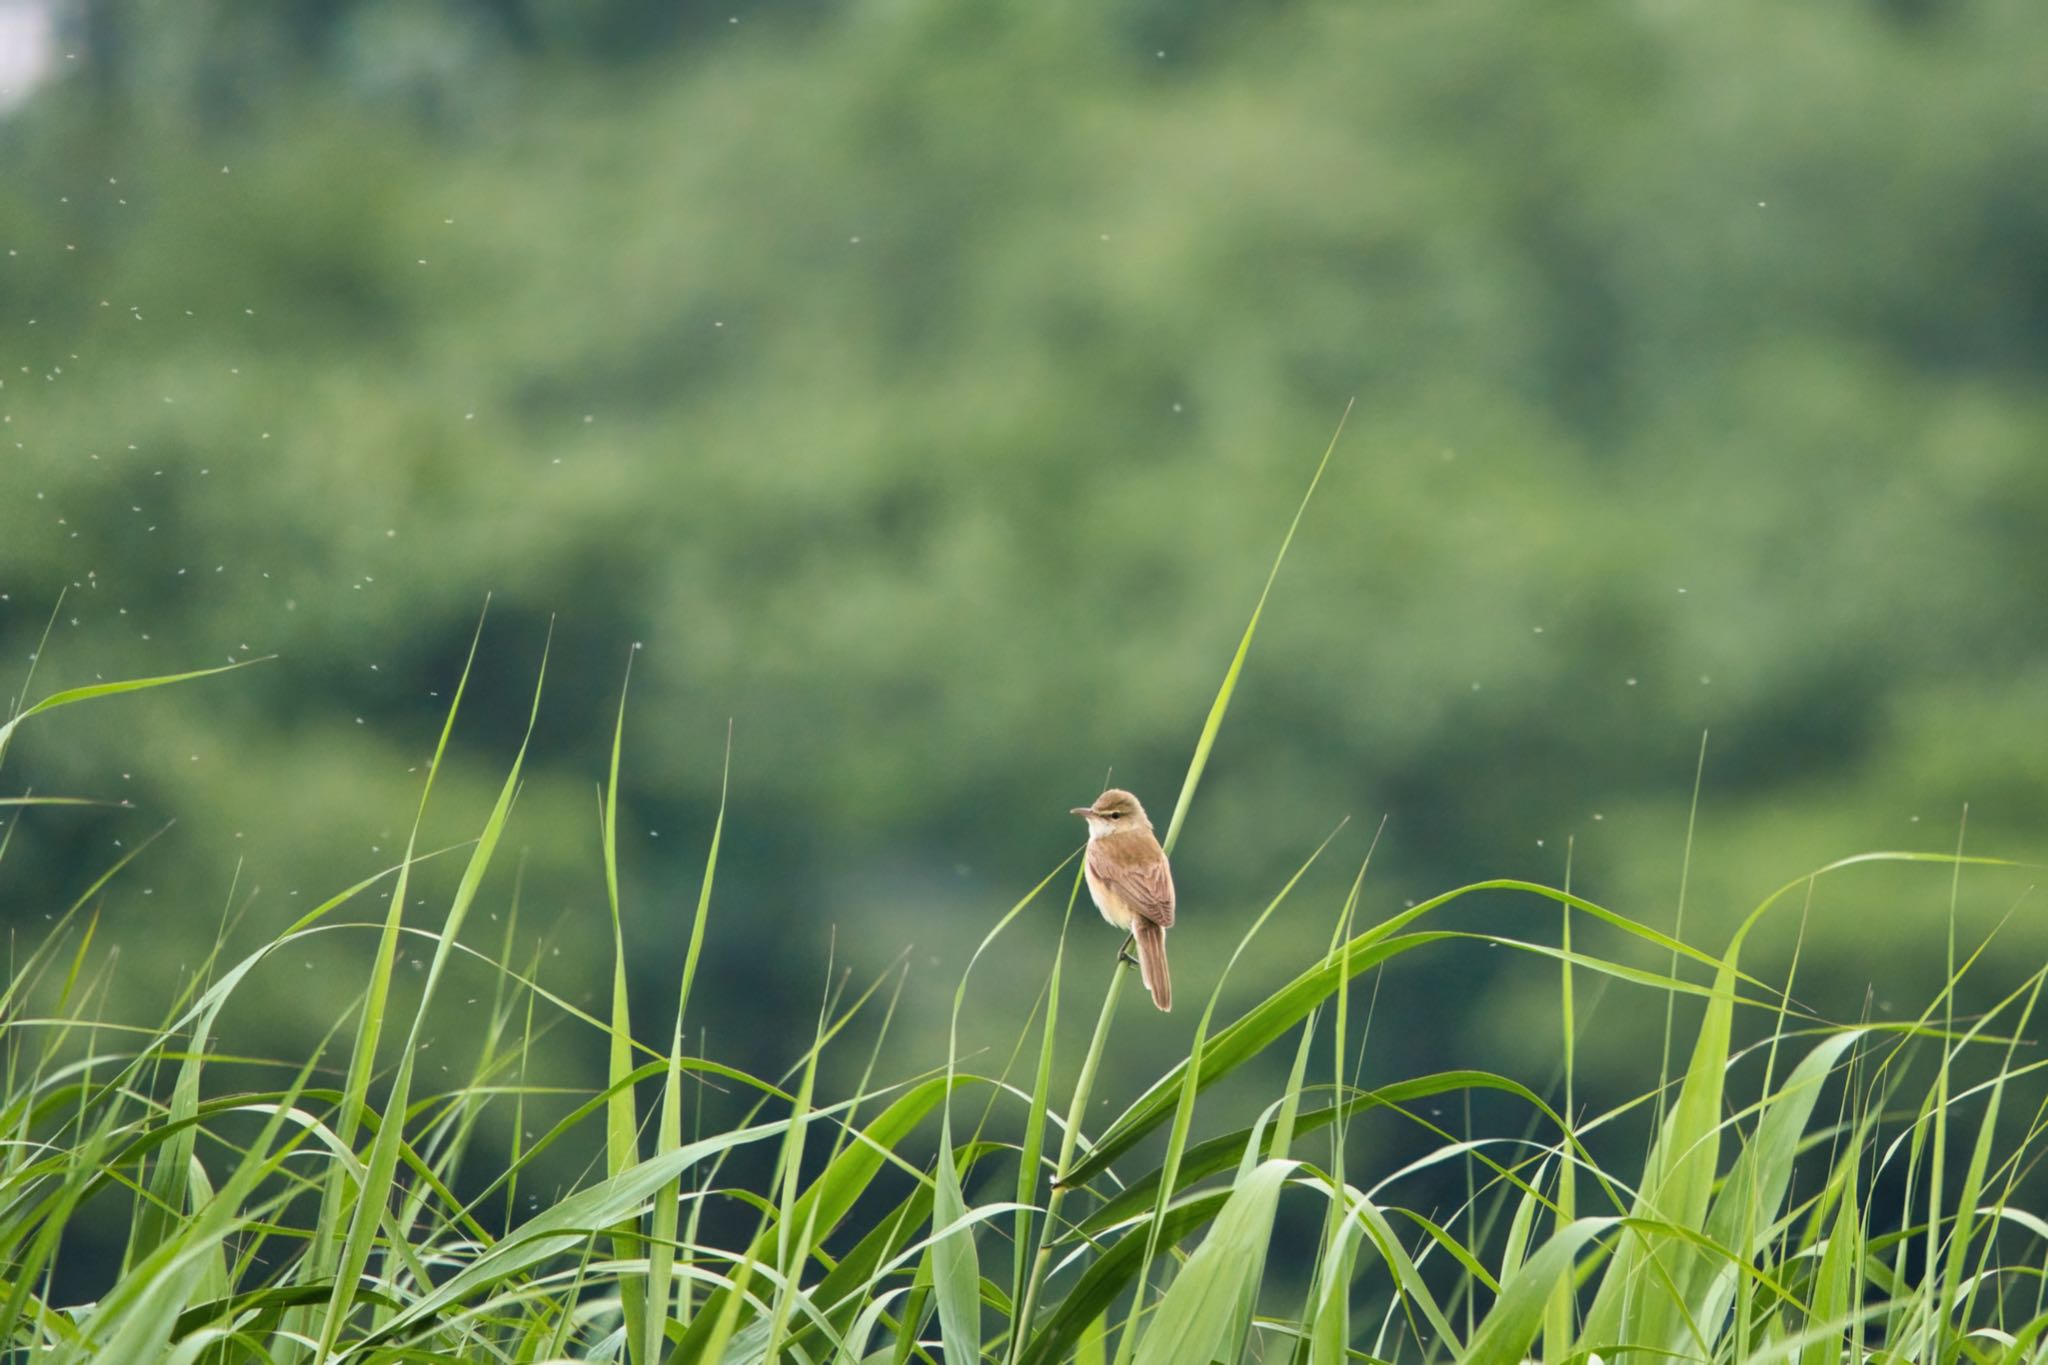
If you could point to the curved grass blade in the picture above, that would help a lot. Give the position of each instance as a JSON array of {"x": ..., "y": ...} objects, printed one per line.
[
  {"x": 1214, "y": 721},
  {"x": 1754, "y": 1188},
  {"x": 373, "y": 1197},
  {"x": 669, "y": 1137},
  {"x": 74, "y": 695},
  {"x": 833, "y": 1193},
  {"x": 328, "y": 1232},
  {"x": 621, "y": 1126},
  {"x": 1266, "y": 1022},
  {"x": 1081, "y": 1309},
  {"x": 956, "y": 1271},
  {"x": 1184, "y": 1106},
  {"x": 1212, "y": 724},
  {"x": 956, "y": 1274},
  {"x": 1511, "y": 1325},
  {"x": 1195, "y": 1320}
]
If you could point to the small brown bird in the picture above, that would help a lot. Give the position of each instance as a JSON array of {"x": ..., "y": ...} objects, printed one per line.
[{"x": 1131, "y": 883}]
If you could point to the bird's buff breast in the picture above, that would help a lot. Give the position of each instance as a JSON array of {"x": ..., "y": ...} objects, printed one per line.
[{"x": 1108, "y": 902}]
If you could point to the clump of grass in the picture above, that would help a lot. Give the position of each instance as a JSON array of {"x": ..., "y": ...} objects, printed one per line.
[{"x": 1836, "y": 1206}]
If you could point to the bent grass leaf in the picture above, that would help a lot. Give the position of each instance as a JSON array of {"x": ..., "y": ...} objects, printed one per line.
[
  {"x": 1213, "y": 723},
  {"x": 956, "y": 1273},
  {"x": 72, "y": 696},
  {"x": 373, "y": 1196},
  {"x": 1269, "y": 1020},
  {"x": 1218, "y": 1154},
  {"x": 1516, "y": 1317},
  {"x": 1330, "y": 1300},
  {"x": 1194, "y": 1320},
  {"x": 1754, "y": 1188},
  {"x": 1639, "y": 1301},
  {"x": 1080, "y": 1311},
  {"x": 833, "y": 1193}
]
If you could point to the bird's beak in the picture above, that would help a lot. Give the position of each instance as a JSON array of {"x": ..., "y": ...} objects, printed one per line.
[{"x": 1083, "y": 811}]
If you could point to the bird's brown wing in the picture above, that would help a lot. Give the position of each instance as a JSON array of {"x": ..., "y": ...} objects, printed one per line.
[{"x": 1145, "y": 884}]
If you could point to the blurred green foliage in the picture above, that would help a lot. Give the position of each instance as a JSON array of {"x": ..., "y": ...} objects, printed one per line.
[{"x": 926, "y": 387}]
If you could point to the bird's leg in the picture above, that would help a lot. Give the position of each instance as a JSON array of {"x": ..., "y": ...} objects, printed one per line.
[{"x": 1123, "y": 953}]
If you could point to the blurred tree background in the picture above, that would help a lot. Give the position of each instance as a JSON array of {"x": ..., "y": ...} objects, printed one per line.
[{"x": 926, "y": 388}]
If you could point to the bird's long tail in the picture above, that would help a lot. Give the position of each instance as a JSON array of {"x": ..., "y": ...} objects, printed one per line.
[{"x": 1152, "y": 964}]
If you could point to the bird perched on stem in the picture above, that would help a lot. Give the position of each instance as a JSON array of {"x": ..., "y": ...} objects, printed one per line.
[{"x": 1131, "y": 883}]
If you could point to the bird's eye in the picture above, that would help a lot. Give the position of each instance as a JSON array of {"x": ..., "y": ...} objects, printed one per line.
[{"x": 1116, "y": 815}]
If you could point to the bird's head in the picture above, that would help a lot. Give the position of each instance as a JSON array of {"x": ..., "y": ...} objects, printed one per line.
[{"x": 1115, "y": 809}]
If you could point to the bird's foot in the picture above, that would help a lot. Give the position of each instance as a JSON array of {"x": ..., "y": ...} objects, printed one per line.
[{"x": 1123, "y": 955}]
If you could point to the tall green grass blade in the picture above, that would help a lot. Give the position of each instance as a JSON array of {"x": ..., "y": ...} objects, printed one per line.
[
  {"x": 1290, "y": 1100},
  {"x": 1836, "y": 1287},
  {"x": 12, "y": 801},
  {"x": 158, "y": 1215},
  {"x": 30, "y": 970},
  {"x": 1030, "y": 1156},
  {"x": 1755, "y": 1186},
  {"x": 1093, "y": 1346},
  {"x": 1328, "y": 1310},
  {"x": 1958, "y": 1294},
  {"x": 662, "y": 1225},
  {"x": 956, "y": 1270},
  {"x": 1211, "y": 726},
  {"x": 832, "y": 1194},
  {"x": 793, "y": 1232},
  {"x": 1520, "y": 1226},
  {"x": 1699, "y": 778},
  {"x": 622, "y": 1126},
  {"x": 1267, "y": 1021},
  {"x": 1194, "y": 1321},
  {"x": 1932, "y": 1310},
  {"x": 337, "y": 1194},
  {"x": 1559, "y": 1316},
  {"x": 1517, "y": 1315},
  {"x": 374, "y": 1195},
  {"x": 1412, "y": 1292},
  {"x": 564, "y": 1225},
  {"x": 697, "y": 925},
  {"x": 1329, "y": 1315},
  {"x": 1070, "y": 1138},
  {"x": 136, "y": 1319},
  {"x": 36, "y": 656},
  {"x": 1214, "y": 722},
  {"x": 1028, "y": 1264},
  {"x": 1080, "y": 1310},
  {"x": 1676, "y": 1187},
  {"x": 1184, "y": 1108},
  {"x": 956, "y": 1273}
]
